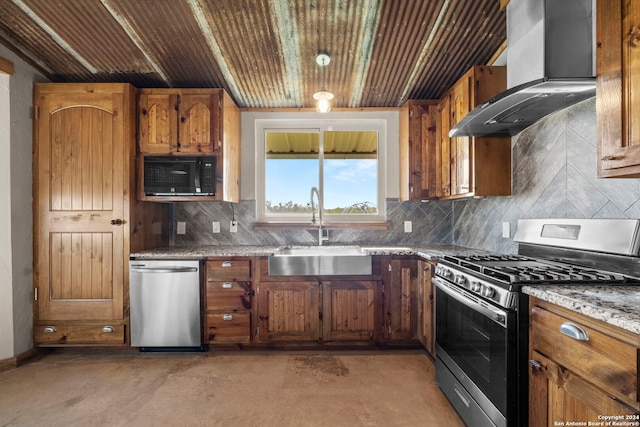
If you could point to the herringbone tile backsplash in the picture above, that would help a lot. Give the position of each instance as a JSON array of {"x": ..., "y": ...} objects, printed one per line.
[{"x": 554, "y": 176}]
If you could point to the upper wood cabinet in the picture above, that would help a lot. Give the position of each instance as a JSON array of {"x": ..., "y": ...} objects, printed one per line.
[
  {"x": 418, "y": 121},
  {"x": 618, "y": 88},
  {"x": 85, "y": 222},
  {"x": 181, "y": 120},
  {"x": 434, "y": 166},
  {"x": 472, "y": 166},
  {"x": 191, "y": 122}
]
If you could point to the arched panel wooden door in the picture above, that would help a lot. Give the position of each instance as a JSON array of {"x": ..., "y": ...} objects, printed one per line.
[{"x": 81, "y": 176}]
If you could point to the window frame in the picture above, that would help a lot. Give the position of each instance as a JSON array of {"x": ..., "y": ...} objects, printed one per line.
[{"x": 378, "y": 125}]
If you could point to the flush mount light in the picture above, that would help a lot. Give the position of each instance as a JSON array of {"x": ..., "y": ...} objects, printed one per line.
[{"x": 323, "y": 96}]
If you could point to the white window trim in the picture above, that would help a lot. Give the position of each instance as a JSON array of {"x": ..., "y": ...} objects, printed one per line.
[{"x": 320, "y": 125}]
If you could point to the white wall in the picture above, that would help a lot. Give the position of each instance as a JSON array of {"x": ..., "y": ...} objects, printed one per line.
[{"x": 16, "y": 218}]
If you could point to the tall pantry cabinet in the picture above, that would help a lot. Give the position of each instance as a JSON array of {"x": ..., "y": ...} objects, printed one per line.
[{"x": 86, "y": 216}]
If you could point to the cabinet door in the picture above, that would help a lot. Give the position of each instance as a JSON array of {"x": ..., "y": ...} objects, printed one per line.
[
  {"x": 426, "y": 297},
  {"x": 461, "y": 147},
  {"x": 199, "y": 121},
  {"x": 288, "y": 311},
  {"x": 81, "y": 176},
  {"x": 444, "y": 147},
  {"x": 422, "y": 149},
  {"x": 350, "y": 310},
  {"x": 558, "y": 396},
  {"x": 400, "y": 299},
  {"x": 618, "y": 88},
  {"x": 158, "y": 118}
]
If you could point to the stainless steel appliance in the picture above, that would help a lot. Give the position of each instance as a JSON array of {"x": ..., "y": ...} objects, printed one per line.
[
  {"x": 165, "y": 305},
  {"x": 482, "y": 315},
  {"x": 179, "y": 175}
]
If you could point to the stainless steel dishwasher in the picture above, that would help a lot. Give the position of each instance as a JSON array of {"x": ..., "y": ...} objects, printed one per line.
[{"x": 165, "y": 305}]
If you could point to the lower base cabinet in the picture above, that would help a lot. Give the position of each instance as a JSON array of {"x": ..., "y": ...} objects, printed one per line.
[
  {"x": 340, "y": 310},
  {"x": 349, "y": 310},
  {"x": 585, "y": 378},
  {"x": 288, "y": 311}
]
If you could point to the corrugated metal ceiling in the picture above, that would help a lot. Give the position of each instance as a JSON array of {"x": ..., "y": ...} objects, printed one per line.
[{"x": 261, "y": 51}]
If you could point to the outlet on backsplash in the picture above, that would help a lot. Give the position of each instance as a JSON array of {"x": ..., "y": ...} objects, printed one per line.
[
  {"x": 181, "y": 227},
  {"x": 215, "y": 226}
]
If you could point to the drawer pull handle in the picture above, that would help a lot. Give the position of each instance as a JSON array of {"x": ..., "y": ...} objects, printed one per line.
[
  {"x": 227, "y": 285},
  {"x": 227, "y": 317},
  {"x": 49, "y": 329},
  {"x": 227, "y": 264},
  {"x": 574, "y": 331},
  {"x": 461, "y": 396},
  {"x": 107, "y": 329}
]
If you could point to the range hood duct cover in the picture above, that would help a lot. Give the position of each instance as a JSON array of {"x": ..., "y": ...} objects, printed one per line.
[{"x": 550, "y": 66}]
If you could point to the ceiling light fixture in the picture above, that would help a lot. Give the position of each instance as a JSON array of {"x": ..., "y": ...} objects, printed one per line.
[{"x": 323, "y": 96}]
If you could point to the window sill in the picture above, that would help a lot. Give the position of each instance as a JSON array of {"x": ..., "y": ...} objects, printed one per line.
[{"x": 266, "y": 226}]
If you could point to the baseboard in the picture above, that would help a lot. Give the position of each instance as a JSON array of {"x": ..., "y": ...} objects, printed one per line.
[{"x": 19, "y": 360}]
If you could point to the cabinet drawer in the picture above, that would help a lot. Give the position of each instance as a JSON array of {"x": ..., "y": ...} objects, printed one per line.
[
  {"x": 607, "y": 362},
  {"x": 79, "y": 334},
  {"x": 228, "y": 295},
  {"x": 228, "y": 327},
  {"x": 226, "y": 269}
]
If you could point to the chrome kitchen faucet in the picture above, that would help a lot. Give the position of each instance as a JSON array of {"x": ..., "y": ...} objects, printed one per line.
[{"x": 321, "y": 236}]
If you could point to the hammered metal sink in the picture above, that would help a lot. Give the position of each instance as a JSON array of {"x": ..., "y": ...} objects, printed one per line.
[{"x": 319, "y": 261}]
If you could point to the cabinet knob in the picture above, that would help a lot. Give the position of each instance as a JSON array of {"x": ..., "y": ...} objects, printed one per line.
[
  {"x": 227, "y": 264},
  {"x": 607, "y": 158},
  {"x": 227, "y": 317},
  {"x": 535, "y": 364},
  {"x": 227, "y": 285},
  {"x": 107, "y": 329},
  {"x": 117, "y": 222},
  {"x": 49, "y": 329}
]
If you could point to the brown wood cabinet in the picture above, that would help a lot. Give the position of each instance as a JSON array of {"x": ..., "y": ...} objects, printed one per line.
[
  {"x": 579, "y": 380},
  {"x": 426, "y": 300},
  {"x": 191, "y": 122},
  {"x": 400, "y": 276},
  {"x": 318, "y": 308},
  {"x": 85, "y": 222},
  {"x": 289, "y": 311},
  {"x": 350, "y": 310},
  {"x": 228, "y": 301},
  {"x": 418, "y": 150},
  {"x": 618, "y": 88},
  {"x": 471, "y": 166}
]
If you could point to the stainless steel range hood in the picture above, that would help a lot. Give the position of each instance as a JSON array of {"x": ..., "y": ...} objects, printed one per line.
[{"x": 550, "y": 66}]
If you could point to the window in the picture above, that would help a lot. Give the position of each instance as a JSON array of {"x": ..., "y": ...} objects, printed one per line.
[{"x": 341, "y": 158}]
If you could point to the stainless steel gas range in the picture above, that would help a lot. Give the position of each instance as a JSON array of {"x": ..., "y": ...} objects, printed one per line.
[{"x": 482, "y": 315}]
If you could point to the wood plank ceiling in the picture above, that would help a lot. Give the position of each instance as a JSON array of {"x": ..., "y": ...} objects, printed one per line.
[{"x": 262, "y": 52}]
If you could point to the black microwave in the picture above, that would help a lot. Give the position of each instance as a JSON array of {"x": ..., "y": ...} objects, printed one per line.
[{"x": 180, "y": 175}]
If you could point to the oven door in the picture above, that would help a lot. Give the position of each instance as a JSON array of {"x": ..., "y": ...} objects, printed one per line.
[{"x": 476, "y": 341}]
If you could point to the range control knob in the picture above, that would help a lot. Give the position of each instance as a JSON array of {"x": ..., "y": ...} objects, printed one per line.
[
  {"x": 488, "y": 291},
  {"x": 460, "y": 279},
  {"x": 446, "y": 273},
  {"x": 476, "y": 286}
]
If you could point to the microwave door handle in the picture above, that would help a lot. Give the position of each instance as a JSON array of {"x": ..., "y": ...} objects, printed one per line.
[
  {"x": 196, "y": 180},
  {"x": 498, "y": 316}
]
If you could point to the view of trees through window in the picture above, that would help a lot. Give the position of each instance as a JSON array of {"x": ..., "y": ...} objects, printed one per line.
[{"x": 342, "y": 164}]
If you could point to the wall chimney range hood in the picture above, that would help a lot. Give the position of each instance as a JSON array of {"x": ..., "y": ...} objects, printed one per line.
[{"x": 550, "y": 66}]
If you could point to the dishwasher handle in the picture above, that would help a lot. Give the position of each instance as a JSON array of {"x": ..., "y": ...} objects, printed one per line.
[{"x": 142, "y": 269}]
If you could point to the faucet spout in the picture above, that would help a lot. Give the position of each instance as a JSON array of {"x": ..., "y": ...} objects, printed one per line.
[{"x": 321, "y": 236}]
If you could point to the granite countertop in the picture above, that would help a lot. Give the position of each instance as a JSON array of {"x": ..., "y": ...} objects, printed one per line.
[
  {"x": 616, "y": 305},
  {"x": 429, "y": 252}
]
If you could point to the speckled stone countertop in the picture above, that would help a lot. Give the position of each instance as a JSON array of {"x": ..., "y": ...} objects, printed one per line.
[
  {"x": 616, "y": 305},
  {"x": 199, "y": 252}
]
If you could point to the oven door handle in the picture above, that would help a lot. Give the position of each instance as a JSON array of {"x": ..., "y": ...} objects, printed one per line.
[{"x": 494, "y": 314}]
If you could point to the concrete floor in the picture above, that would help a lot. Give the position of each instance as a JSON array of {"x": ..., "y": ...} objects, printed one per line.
[{"x": 281, "y": 389}]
